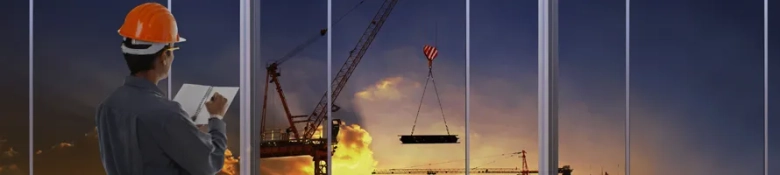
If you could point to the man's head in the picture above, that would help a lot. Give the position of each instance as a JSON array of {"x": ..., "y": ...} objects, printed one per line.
[
  {"x": 149, "y": 32},
  {"x": 148, "y": 59}
]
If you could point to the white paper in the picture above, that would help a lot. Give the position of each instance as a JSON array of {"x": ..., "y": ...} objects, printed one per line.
[{"x": 193, "y": 97}]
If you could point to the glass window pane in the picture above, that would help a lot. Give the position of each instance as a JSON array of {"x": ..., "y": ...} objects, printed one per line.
[
  {"x": 211, "y": 57},
  {"x": 503, "y": 97},
  {"x": 77, "y": 64},
  {"x": 774, "y": 87},
  {"x": 291, "y": 36},
  {"x": 14, "y": 128},
  {"x": 696, "y": 87},
  {"x": 382, "y": 99},
  {"x": 592, "y": 86}
]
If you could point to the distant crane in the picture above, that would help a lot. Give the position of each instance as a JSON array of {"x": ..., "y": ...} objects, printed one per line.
[
  {"x": 303, "y": 143},
  {"x": 565, "y": 170}
]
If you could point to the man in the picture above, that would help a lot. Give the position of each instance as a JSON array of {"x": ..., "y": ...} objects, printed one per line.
[{"x": 142, "y": 132}]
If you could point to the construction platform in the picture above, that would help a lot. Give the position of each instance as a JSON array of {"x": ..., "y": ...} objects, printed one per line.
[
  {"x": 292, "y": 147},
  {"x": 429, "y": 139}
]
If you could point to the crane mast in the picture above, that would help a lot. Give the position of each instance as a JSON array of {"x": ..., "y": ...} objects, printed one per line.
[{"x": 356, "y": 54}]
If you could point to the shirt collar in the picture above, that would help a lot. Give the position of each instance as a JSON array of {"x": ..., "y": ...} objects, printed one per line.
[{"x": 143, "y": 84}]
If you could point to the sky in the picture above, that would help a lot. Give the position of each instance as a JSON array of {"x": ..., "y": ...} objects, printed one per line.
[{"x": 696, "y": 80}]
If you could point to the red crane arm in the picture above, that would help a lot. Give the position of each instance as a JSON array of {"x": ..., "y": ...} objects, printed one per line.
[
  {"x": 273, "y": 74},
  {"x": 316, "y": 118}
]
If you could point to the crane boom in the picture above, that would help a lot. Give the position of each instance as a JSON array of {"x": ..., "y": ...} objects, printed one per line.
[
  {"x": 304, "y": 144},
  {"x": 523, "y": 170},
  {"x": 300, "y": 48},
  {"x": 454, "y": 171},
  {"x": 565, "y": 170},
  {"x": 356, "y": 54}
]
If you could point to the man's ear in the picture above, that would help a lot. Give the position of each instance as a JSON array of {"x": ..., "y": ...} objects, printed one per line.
[{"x": 162, "y": 59}]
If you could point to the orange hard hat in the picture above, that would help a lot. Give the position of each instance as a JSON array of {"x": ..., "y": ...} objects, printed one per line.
[{"x": 151, "y": 22}]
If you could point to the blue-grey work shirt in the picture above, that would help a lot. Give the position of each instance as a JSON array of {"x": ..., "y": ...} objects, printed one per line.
[{"x": 142, "y": 132}]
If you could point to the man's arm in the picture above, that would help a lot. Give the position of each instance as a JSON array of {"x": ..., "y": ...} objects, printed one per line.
[
  {"x": 109, "y": 167},
  {"x": 197, "y": 152}
]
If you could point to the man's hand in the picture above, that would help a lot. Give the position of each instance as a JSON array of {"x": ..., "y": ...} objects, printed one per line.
[
  {"x": 203, "y": 128},
  {"x": 217, "y": 105}
]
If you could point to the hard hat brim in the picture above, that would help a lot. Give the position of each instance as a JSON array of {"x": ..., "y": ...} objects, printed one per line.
[
  {"x": 181, "y": 39},
  {"x": 153, "y": 48}
]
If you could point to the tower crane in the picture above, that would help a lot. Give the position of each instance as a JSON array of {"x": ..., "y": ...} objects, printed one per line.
[
  {"x": 565, "y": 170},
  {"x": 303, "y": 142}
]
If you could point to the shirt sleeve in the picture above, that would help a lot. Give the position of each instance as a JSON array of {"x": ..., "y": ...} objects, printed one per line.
[{"x": 197, "y": 152}]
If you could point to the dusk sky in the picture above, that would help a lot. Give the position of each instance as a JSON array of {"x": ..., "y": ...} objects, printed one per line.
[{"x": 696, "y": 79}]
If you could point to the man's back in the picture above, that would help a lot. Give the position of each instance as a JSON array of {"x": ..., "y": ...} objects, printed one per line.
[{"x": 142, "y": 132}]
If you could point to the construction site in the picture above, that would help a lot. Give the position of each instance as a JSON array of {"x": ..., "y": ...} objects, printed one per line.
[{"x": 305, "y": 134}]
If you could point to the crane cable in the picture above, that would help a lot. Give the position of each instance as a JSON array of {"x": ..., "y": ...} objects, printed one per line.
[
  {"x": 350, "y": 11},
  {"x": 314, "y": 38},
  {"x": 430, "y": 77},
  {"x": 301, "y": 47},
  {"x": 492, "y": 162},
  {"x": 461, "y": 160},
  {"x": 441, "y": 107}
]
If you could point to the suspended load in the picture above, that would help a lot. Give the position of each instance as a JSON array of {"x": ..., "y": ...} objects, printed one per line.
[{"x": 430, "y": 53}]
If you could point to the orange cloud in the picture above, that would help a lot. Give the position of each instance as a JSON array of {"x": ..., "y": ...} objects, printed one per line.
[
  {"x": 503, "y": 118},
  {"x": 391, "y": 108},
  {"x": 352, "y": 156}
]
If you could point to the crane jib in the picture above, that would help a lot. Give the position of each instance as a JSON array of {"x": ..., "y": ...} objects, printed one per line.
[
  {"x": 283, "y": 146},
  {"x": 348, "y": 67}
]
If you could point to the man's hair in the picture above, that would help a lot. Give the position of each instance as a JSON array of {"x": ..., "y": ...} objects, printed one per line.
[{"x": 140, "y": 63}]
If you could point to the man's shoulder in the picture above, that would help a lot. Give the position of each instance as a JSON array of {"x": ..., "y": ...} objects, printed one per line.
[{"x": 145, "y": 105}]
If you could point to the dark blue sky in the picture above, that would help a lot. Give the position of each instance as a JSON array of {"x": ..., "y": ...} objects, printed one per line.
[
  {"x": 698, "y": 74},
  {"x": 695, "y": 72}
]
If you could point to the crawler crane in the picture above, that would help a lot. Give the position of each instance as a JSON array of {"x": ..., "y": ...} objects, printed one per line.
[{"x": 303, "y": 142}]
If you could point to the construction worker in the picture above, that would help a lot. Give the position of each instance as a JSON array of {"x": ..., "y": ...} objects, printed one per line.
[{"x": 141, "y": 132}]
